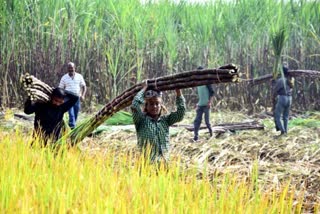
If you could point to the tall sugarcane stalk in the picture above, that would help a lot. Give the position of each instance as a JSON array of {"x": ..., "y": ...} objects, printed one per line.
[
  {"x": 278, "y": 37},
  {"x": 224, "y": 74}
]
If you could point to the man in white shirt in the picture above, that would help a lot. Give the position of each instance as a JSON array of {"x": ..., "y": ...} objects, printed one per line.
[{"x": 73, "y": 82}]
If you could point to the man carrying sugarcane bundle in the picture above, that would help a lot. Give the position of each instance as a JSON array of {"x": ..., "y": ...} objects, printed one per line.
[
  {"x": 152, "y": 123},
  {"x": 49, "y": 115},
  {"x": 283, "y": 91},
  {"x": 73, "y": 82},
  {"x": 205, "y": 94}
]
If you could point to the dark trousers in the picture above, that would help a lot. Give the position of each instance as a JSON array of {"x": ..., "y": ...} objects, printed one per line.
[
  {"x": 197, "y": 122},
  {"x": 282, "y": 109},
  {"x": 73, "y": 114}
]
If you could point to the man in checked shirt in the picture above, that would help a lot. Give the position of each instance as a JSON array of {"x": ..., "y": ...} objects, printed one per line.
[{"x": 152, "y": 123}]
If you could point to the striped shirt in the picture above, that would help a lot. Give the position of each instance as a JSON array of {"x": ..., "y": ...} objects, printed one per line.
[
  {"x": 72, "y": 84},
  {"x": 154, "y": 134}
]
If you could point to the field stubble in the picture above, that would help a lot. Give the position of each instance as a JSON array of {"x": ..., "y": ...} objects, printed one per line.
[{"x": 294, "y": 158}]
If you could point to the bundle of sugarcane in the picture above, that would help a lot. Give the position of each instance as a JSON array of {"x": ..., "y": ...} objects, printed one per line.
[
  {"x": 35, "y": 88},
  {"x": 225, "y": 74},
  {"x": 292, "y": 73}
]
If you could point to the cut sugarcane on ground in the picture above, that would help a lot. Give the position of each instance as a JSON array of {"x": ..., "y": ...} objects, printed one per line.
[{"x": 295, "y": 157}]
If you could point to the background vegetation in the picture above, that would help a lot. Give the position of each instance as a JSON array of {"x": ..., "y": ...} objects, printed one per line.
[{"x": 118, "y": 43}]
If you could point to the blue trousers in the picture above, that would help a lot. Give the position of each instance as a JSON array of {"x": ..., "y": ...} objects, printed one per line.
[
  {"x": 282, "y": 109},
  {"x": 197, "y": 122},
  {"x": 73, "y": 114}
]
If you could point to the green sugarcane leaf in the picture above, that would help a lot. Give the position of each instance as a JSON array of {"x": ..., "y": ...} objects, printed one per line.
[{"x": 120, "y": 118}]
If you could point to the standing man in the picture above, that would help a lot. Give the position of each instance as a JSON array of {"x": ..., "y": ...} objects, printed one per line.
[
  {"x": 74, "y": 82},
  {"x": 283, "y": 91},
  {"x": 205, "y": 94}
]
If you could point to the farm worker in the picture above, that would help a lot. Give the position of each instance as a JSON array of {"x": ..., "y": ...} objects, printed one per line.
[
  {"x": 283, "y": 91},
  {"x": 49, "y": 116},
  {"x": 73, "y": 82},
  {"x": 152, "y": 123},
  {"x": 205, "y": 95}
]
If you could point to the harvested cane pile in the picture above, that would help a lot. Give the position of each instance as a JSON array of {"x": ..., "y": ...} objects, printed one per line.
[
  {"x": 37, "y": 90},
  {"x": 224, "y": 74},
  {"x": 221, "y": 128}
]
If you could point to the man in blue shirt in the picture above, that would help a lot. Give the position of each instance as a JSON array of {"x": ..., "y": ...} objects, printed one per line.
[{"x": 205, "y": 94}]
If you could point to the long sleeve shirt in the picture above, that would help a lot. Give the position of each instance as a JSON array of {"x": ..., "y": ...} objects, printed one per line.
[
  {"x": 48, "y": 118},
  {"x": 154, "y": 134},
  {"x": 283, "y": 86}
]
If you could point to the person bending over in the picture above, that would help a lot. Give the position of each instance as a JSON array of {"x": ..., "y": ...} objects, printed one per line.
[{"x": 49, "y": 116}]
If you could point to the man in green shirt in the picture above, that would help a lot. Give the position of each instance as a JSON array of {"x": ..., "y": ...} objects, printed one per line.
[
  {"x": 205, "y": 94},
  {"x": 152, "y": 124}
]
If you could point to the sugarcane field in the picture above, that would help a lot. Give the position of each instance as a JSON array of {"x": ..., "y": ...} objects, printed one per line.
[{"x": 160, "y": 106}]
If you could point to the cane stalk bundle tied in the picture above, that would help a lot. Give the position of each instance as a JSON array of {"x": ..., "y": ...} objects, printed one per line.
[
  {"x": 224, "y": 74},
  {"x": 37, "y": 90},
  {"x": 292, "y": 73}
]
